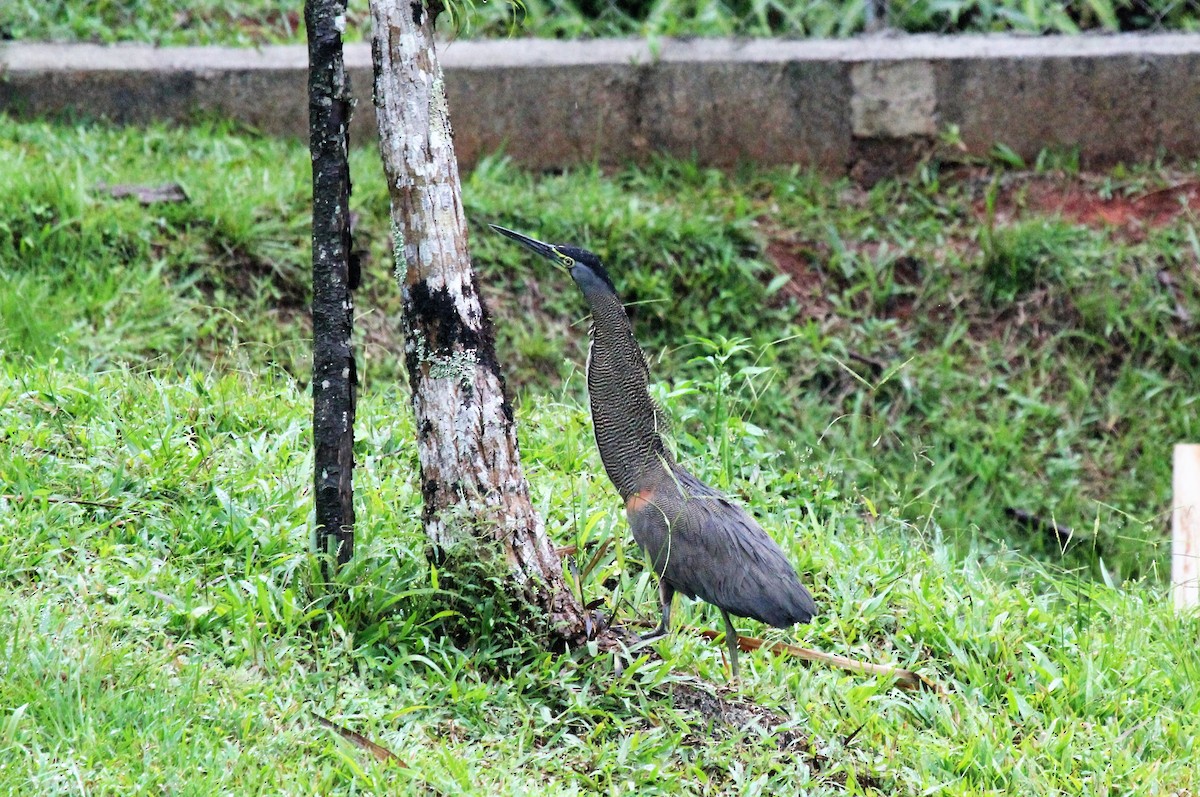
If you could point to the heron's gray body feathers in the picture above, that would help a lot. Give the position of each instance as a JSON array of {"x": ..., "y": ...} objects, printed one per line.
[{"x": 706, "y": 546}]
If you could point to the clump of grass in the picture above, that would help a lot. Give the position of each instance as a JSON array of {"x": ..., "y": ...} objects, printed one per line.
[
  {"x": 166, "y": 628},
  {"x": 257, "y": 22},
  {"x": 1029, "y": 255},
  {"x": 863, "y": 330}
]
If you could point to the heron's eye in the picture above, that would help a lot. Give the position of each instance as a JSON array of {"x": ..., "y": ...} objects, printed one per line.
[{"x": 568, "y": 262}]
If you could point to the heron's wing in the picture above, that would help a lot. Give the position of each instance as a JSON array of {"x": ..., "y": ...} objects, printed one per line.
[
  {"x": 758, "y": 581},
  {"x": 708, "y": 547}
]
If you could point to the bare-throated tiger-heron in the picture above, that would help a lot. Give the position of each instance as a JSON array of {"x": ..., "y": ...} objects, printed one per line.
[{"x": 698, "y": 541}]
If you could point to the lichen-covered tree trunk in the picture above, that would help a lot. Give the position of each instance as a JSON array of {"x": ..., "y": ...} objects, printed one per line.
[
  {"x": 333, "y": 376},
  {"x": 471, "y": 478}
]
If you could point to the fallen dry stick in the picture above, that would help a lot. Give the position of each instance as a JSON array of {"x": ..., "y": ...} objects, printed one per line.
[
  {"x": 377, "y": 750},
  {"x": 905, "y": 679},
  {"x": 147, "y": 194},
  {"x": 58, "y": 499}
]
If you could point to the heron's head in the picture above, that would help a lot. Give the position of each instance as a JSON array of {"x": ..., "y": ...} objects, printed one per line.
[{"x": 583, "y": 266}]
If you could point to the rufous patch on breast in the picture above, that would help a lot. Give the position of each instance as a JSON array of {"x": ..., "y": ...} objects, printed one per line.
[{"x": 638, "y": 500}]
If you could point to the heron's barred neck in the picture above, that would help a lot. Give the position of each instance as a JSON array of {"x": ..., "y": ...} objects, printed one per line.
[
  {"x": 601, "y": 298},
  {"x": 625, "y": 419}
]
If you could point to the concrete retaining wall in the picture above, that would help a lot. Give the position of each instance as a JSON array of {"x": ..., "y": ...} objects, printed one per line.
[{"x": 861, "y": 105}]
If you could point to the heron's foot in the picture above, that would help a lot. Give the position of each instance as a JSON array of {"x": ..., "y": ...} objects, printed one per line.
[
  {"x": 650, "y": 636},
  {"x": 640, "y": 641}
]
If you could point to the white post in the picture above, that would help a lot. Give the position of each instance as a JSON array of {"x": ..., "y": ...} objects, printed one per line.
[{"x": 1185, "y": 525}]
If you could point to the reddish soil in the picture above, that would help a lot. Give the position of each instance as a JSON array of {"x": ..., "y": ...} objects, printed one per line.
[
  {"x": 1082, "y": 201},
  {"x": 801, "y": 260},
  {"x": 804, "y": 261}
]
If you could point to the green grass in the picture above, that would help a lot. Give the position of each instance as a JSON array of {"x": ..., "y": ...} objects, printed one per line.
[
  {"x": 254, "y": 22},
  {"x": 170, "y": 635},
  {"x": 929, "y": 365},
  {"x": 951, "y": 368}
]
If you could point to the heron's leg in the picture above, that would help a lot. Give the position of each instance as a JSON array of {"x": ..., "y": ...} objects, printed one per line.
[
  {"x": 666, "y": 596},
  {"x": 731, "y": 641}
]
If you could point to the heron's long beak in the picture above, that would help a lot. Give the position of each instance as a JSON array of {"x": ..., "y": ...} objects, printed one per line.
[{"x": 545, "y": 250}]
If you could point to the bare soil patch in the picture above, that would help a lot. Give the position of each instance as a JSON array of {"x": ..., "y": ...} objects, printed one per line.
[{"x": 1132, "y": 210}]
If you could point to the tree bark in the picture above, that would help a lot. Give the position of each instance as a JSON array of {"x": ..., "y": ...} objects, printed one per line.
[
  {"x": 471, "y": 477},
  {"x": 334, "y": 375}
]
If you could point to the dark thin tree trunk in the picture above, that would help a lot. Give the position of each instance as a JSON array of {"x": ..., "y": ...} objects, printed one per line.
[
  {"x": 471, "y": 477},
  {"x": 333, "y": 376}
]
